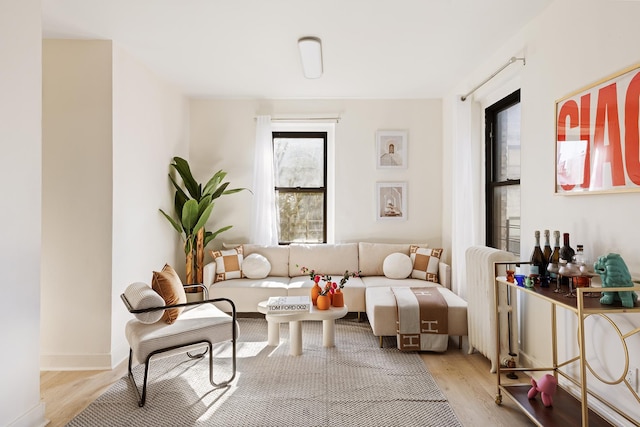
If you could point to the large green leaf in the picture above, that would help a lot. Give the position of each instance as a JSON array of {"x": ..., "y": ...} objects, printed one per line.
[
  {"x": 182, "y": 166},
  {"x": 189, "y": 216},
  {"x": 203, "y": 218},
  {"x": 173, "y": 222},
  {"x": 214, "y": 234},
  {"x": 213, "y": 183},
  {"x": 208, "y": 237},
  {"x": 237, "y": 190},
  {"x": 206, "y": 201},
  {"x": 220, "y": 191},
  {"x": 179, "y": 200}
]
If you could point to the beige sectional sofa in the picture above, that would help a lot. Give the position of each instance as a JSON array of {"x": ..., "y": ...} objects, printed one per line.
[{"x": 370, "y": 293}]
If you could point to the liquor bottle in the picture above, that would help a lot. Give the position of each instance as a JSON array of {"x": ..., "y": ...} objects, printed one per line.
[
  {"x": 546, "y": 254},
  {"x": 554, "y": 259},
  {"x": 578, "y": 258},
  {"x": 537, "y": 259}
]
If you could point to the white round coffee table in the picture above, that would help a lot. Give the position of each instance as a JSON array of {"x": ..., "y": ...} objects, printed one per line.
[{"x": 295, "y": 329}]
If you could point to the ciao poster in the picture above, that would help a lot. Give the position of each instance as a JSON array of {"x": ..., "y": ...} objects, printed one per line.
[{"x": 598, "y": 138}]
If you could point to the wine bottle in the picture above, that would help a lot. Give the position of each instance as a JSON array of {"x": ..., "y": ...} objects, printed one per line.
[
  {"x": 566, "y": 251},
  {"x": 546, "y": 252},
  {"x": 537, "y": 258},
  {"x": 554, "y": 259},
  {"x": 566, "y": 256}
]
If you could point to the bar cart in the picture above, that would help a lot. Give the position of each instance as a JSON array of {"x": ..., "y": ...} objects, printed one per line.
[{"x": 568, "y": 409}]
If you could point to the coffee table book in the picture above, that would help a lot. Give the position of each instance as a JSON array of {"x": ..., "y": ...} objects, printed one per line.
[{"x": 290, "y": 304}]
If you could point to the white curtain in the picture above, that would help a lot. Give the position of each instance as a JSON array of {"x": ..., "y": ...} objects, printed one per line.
[
  {"x": 264, "y": 229},
  {"x": 467, "y": 184}
]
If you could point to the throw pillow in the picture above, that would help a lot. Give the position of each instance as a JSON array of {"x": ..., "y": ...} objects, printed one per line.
[
  {"x": 397, "y": 266},
  {"x": 140, "y": 296},
  {"x": 168, "y": 284},
  {"x": 228, "y": 264},
  {"x": 425, "y": 263},
  {"x": 256, "y": 266}
]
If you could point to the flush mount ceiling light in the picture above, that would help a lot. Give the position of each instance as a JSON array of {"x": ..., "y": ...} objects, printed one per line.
[{"x": 311, "y": 56}]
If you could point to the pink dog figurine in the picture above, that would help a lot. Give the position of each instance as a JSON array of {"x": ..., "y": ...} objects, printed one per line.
[{"x": 546, "y": 386}]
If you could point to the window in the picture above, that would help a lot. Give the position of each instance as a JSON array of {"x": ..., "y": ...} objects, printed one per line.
[
  {"x": 502, "y": 124},
  {"x": 300, "y": 167}
]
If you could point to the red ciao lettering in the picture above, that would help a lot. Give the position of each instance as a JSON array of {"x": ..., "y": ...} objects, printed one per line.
[{"x": 605, "y": 146}]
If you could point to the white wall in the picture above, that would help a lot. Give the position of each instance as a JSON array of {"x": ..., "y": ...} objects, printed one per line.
[
  {"x": 77, "y": 203},
  {"x": 20, "y": 247},
  {"x": 111, "y": 128},
  {"x": 223, "y": 137},
  {"x": 150, "y": 127},
  {"x": 570, "y": 45}
]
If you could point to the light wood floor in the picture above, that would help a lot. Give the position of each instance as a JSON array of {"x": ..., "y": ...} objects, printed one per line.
[{"x": 463, "y": 378}]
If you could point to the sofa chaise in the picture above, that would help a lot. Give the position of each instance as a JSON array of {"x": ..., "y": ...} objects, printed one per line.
[{"x": 249, "y": 274}]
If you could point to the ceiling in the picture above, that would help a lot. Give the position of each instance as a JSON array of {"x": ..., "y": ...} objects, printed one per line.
[{"x": 248, "y": 48}]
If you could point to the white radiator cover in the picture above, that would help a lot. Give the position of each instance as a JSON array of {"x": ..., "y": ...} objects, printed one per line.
[{"x": 480, "y": 272}]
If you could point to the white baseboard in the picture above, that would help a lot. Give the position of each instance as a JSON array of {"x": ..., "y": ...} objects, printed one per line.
[
  {"x": 33, "y": 418},
  {"x": 75, "y": 362}
]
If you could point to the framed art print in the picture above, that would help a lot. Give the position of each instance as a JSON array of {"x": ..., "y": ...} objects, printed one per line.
[
  {"x": 598, "y": 138},
  {"x": 391, "y": 149},
  {"x": 391, "y": 201}
]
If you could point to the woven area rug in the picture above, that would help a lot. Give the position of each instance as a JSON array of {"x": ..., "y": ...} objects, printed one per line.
[{"x": 355, "y": 383}]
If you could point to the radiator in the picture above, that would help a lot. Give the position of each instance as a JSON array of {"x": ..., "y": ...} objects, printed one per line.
[{"x": 481, "y": 316}]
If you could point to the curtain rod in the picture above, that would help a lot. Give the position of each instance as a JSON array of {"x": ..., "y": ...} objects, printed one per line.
[
  {"x": 305, "y": 119},
  {"x": 511, "y": 61}
]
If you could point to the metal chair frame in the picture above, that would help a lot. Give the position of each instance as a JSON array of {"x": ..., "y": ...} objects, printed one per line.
[{"x": 142, "y": 397}]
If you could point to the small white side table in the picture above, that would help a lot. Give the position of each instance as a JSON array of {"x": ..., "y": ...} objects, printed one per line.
[{"x": 295, "y": 328}]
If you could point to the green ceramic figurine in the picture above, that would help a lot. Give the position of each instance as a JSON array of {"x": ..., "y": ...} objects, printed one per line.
[{"x": 614, "y": 274}]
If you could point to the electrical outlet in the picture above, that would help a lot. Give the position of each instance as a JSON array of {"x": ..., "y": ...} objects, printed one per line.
[{"x": 632, "y": 378}]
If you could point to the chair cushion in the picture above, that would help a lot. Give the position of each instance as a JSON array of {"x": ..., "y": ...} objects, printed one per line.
[
  {"x": 167, "y": 283},
  {"x": 397, "y": 266},
  {"x": 256, "y": 266},
  {"x": 204, "y": 322},
  {"x": 140, "y": 296},
  {"x": 425, "y": 263},
  {"x": 228, "y": 263}
]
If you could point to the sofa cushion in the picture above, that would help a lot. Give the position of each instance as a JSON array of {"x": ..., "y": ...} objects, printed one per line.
[
  {"x": 397, "y": 266},
  {"x": 425, "y": 263},
  {"x": 167, "y": 283},
  {"x": 371, "y": 255},
  {"x": 228, "y": 263},
  {"x": 255, "y": 266},
  {"x": 278, "y": 257},
  {"x": 382, "y": 281},
  {"x": 332, "y": 259}
]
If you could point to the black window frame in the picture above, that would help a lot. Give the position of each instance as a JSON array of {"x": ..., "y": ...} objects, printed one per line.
[
  {"x": 491, "y": 163},
  {"x": 319, "y": 190}
]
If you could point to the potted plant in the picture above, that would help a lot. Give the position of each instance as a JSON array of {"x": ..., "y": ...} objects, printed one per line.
[{"x": 193, "y": 206}]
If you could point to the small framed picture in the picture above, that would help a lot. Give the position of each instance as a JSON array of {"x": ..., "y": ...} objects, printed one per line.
[
  {"x": 391, "y": 149},
  {"x": 391, "y": 201}
]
